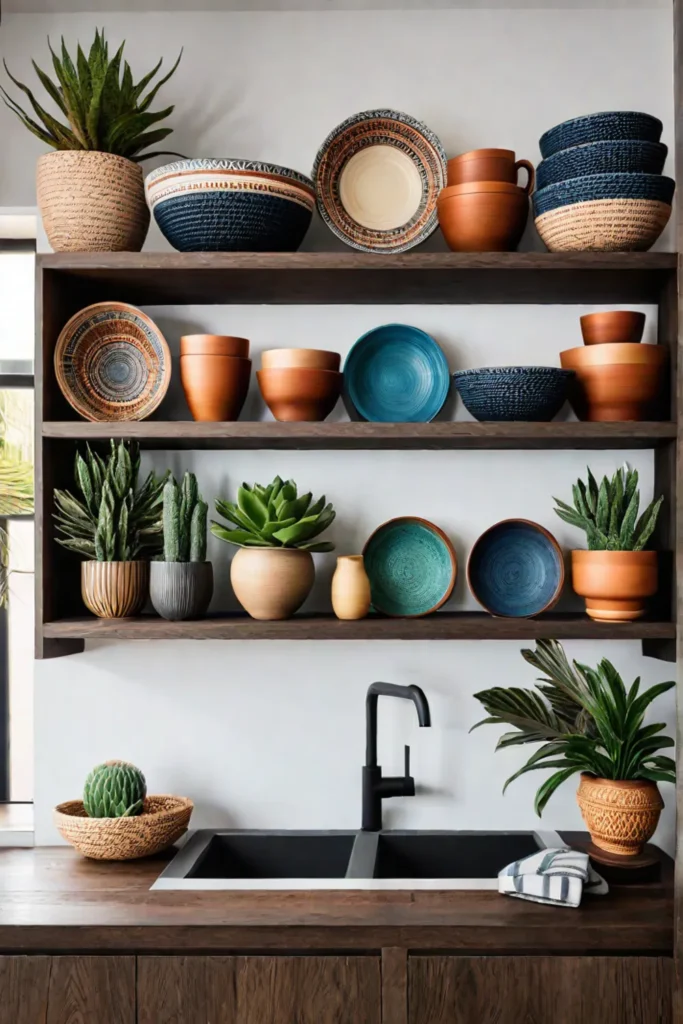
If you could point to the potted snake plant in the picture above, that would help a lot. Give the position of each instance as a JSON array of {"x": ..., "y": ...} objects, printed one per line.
[
  {"x": 181, "y": 583},
  {"x": 275, "y": 529},
  {"x": 587, "y": 722},
  {"x": 90, "y": 190},
  {"x": 116, "y": 526},
  {"x": 616, "y": 574}
]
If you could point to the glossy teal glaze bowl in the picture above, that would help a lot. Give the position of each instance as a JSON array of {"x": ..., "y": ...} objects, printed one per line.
[{"x": 411, "y": 565}]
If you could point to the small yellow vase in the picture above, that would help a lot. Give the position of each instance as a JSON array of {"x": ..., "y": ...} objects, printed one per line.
[{"x": 350, "y": 588}]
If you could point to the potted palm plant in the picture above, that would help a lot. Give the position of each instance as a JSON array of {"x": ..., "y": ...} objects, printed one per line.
[
  {"x": 616, "y": 574},
  {"x": 116, "y": 527},
  {"x": 181, "y": 583},
  {"x": 588, "y": 722},
  {"x": 275, "y": 529},
  {"x": 90, "y": 190}
]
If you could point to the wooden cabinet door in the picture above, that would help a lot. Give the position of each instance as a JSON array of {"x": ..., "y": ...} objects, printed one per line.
[
  {"x": 23, "y": 989},
  {"x": 540, "y": 990},
  {"x": 67, "y": 990},
  {"x": 259, "y": 990}
]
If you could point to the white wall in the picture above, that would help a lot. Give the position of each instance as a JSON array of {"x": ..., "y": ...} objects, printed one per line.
[{"x": 272, "y": 734}]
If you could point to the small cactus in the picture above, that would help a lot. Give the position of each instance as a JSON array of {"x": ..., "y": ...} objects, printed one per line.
[
  {"x": 115, "y": 789},
  {"x": 184, "y": 519}
]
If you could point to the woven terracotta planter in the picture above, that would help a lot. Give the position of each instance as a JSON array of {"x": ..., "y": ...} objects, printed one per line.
[
  {"x": 114, "y": 590},
  {"x": 163, "y": 821},
  {"x": 621, "y": 816},
  {"x": 92, "y": 202}
]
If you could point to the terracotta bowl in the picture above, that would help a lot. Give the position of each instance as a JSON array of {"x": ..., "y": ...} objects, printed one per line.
[
  {"x": 215, "y": 386},
  {"x": 617, "y": 382},
  {"x": 309, "y": 358},
  {"x": 612, "y": 327},
  {"x": 300, "y": 393},
  {"x": 484, "y": 216},
  {"x": 214, "y": 345}
]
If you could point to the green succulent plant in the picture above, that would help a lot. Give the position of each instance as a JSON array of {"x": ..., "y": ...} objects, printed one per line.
[
  {"x": 105, "y": 109},
  {"x": 115, "y": 789},
  {"x": 275, "y": 516},
  {"x": 609, "y": 513},
  {"x": 585, "y": 719},
  {"x": 184, "y": 519},
  {"x": 116, "y": 521}
]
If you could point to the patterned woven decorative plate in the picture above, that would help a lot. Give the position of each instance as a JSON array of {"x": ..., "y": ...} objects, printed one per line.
[
  {"x": 377, "y": 178},
  {"x": 112, "y": 363},
  {"x": 411, "y": 565}
]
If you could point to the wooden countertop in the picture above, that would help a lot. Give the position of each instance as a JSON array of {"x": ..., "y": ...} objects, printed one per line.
[{"x": 51, "y": 899}]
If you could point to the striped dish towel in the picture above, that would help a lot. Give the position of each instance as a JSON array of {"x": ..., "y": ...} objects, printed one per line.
[{"x": 556, "y": 876}]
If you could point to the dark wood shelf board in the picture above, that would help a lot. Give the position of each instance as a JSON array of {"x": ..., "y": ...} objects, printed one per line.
[
  {"x": 349, "y": 277},
  {"x": 268, "y": 434},
  {"x": 441, "y": 626}
]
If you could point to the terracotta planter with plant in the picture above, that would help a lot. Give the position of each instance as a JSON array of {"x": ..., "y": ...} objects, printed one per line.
[
  {"x": 275, "y": 528},
  {"x": 615, "y": 575},
  {"x": 116, "y": 526},
  {"x": 588, "y": 723},
  {"x": 181, "y": 584},
  {"x": 91, "y": 190}
]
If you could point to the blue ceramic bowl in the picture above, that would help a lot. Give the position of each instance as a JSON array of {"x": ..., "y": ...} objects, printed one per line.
[
  {"x": 603, "y": 186},
  {"x": 529, "y": 393},
  {"x": 608, "y": 156},
  {"x": 411, "y": 565},
  {"x": 516, "y": 569},
  {"x": 396, "y": 374},
  {"x": 608, "y": 124}
]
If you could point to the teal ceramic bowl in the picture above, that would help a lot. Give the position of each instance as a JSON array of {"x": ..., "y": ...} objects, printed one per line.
[{"x": 411, "y": 565}]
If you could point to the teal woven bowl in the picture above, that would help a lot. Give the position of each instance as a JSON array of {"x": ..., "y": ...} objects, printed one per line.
[{"x": 411, "y": 565}]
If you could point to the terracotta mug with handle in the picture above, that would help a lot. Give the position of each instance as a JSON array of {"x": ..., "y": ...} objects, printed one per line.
[{"x": 489, "y": 165}]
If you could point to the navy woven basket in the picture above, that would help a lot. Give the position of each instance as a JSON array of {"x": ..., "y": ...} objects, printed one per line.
[
  {"x": 232, "y": 222},
  {"x": 609, "y": 124},
  {"x": 528, "y": 393},
  {"x": 603, "y": 186},
  {"x": 622, "y": 155}
]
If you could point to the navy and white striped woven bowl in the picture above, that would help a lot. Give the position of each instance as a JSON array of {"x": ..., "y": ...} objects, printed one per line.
[
  {"x": 590, "y": 187},
  {"x": 527, "y": 393},
  {"x": 608, "y": 124},
  {"x": 608, "y": 156},
  {"x": 230, "y": 205}
]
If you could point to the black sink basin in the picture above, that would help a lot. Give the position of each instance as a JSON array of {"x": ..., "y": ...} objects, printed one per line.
[
  {"x": 275, "y": 855},
  {"x": 449, "y": 855}
]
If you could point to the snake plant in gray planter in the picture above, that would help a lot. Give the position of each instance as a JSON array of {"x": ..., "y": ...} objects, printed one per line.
[{"x": 181, "y": 585}]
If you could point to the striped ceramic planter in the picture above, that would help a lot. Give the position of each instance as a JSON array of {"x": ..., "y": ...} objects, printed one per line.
[
  {"x": 114, "y": 590},
  {"x": 181, "y": 590}
]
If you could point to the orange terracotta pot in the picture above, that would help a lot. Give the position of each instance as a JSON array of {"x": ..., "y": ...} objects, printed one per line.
[
  {"x": 621, "y": 816},
  {"x": 616, "y": 382},
  {"x": 308, "y": 358},
  {"x": 614, "y": 326},
  {"x": 489, "y": 165},
  {"x": 615, "y": 584},
  {"x": 214, "y": 345},
  {"x": 484, "y": 217},
  {"x": 215, "y": 386},
  {"x": 300, "y": 394}
]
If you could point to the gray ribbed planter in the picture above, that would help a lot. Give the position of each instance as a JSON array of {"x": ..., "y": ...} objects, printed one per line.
[{"x": 181, "y": 590}]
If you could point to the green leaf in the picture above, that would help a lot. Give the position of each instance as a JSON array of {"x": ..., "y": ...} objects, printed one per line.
[
  {"x": 602, "y": 514},
  {"x": 646, "y": 524},
  {"x": 548, "y": 788},
  {"x": 592, "y": 492},
  {"x": 252, "y": 507},
  {"x": 323, "y": 545},
  {"x": 628, "y": 525},
  {"x": 239, "y": 537}
]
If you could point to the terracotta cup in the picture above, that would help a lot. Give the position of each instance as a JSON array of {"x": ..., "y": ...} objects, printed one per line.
[
  {"x": 612, "y": 327},
  {"x": 618, "y": 382},
  {"x": 615, "y": 584},
  {"x": 485, "y": 216},
  {"x": 300, "y": 394},
  {"x": 489, "y": 165},
  {"x": 214, "y": 345},
  {"x": 215, "y": 386},
  {"x": 310, "y": 358}
]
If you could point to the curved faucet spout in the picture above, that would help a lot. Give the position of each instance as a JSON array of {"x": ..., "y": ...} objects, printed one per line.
[{"x": 376, "y": 690}]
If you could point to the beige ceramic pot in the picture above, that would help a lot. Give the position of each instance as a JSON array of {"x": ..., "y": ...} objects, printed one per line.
[
  {"x": 92, "y": 202},
  {"x": 350, "y": 588},
  {"x": 615, "y": 584},
  {"x": 621, "y": 816},
  {"x": 114, "y": 590},
  {"x": 272, "y": 583}
]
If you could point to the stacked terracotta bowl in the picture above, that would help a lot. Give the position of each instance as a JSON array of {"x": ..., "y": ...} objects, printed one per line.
[
  {"x": 215, "y": 371},
  {"x": 617, "y": 377},
  {"x": 483, "y": 209},
  {"x": 300, "y": 384}
]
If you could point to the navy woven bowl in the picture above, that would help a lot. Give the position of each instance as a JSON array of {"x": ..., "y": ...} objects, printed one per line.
[
  {"x": 609, "y": 124},
  {"x": 625, "y": 155},
  {"x": 603, "y": 186},
  {"x": 529, "y": 393}
]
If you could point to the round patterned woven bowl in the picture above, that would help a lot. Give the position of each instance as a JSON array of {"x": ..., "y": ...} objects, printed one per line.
[
  {"x": 112, "y": 363},
  {"x": 530, "y": 393},
  {"x": 516, "y": 569},
  {"x": 377, "y": 176},
  {"x": 163, "y": 821},
  {"x": 411, "y": 565},
  {"x": 608, "y": 124},
  {"x": 230, "y": 205},
  {"x": 396, "y": 374},
  {"x": 605, "y": 157}
]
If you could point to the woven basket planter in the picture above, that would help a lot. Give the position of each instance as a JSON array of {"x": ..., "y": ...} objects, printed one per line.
[
  {"x": 114, "y": 590},
  {"x": 92, "y": 202},
  {"x": 528, "y": 393},
  {"x": 163, "y": 821},
  {"x": 604, "y": 225},
  {"x": 621, "y": 816},
  {"x": 605, "y": 157},
  {"x": 608, "y": 124}
]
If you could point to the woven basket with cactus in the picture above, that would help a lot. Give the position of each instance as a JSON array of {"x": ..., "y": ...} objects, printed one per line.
[{"x": 181, "y": 584}]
